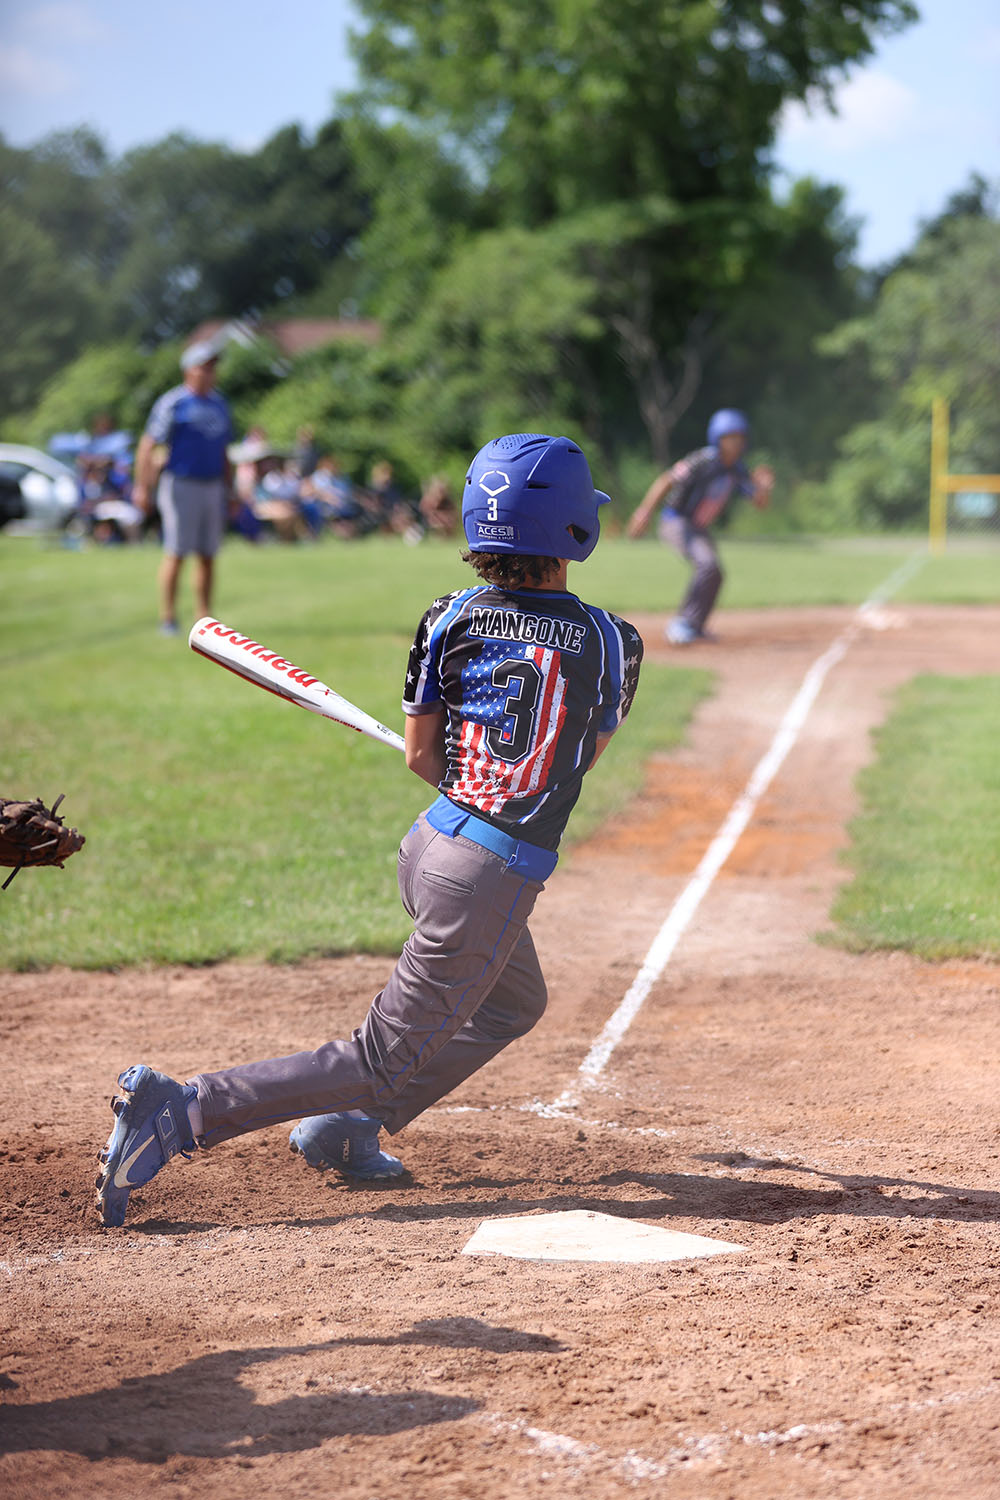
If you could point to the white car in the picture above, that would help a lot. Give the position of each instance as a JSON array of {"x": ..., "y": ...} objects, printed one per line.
[{"x": 37, "y": 493}]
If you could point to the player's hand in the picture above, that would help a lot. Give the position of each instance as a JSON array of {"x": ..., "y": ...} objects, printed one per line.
[
  {"x": 140, "y": 497},
  {"x": 763, "y": 484}
]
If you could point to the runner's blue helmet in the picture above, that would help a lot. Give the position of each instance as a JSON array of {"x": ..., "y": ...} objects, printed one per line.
[
  {"x": 726, "y": 421},
  {"x": 533, "y": 494}
]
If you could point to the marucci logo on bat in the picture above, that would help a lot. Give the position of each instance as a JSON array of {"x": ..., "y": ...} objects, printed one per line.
[
  {"x": 261, "y": 653},
  {"x": 248, "y": 659}
]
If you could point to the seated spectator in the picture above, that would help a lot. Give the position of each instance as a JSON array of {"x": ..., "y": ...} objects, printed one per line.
[
  {"x": 265, "y": 499},
  {"x": 437, "y": 508},
  {"x": 328, "y": 498},
  {"x": 276, "y": 499},
  {"x": 106, "y": 512},
  {"x": 244, "y": 458},
  {"x": 116, "y": 521},
  {"x": 388, "y": 507},
  {"x": 305, "y": 454}
]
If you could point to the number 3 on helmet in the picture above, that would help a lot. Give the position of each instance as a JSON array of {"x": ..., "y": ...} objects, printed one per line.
[{"x": 532, "y": 494}]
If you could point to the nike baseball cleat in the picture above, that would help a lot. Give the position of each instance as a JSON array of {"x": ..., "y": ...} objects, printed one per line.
[
  {"x": 344, "y": 1144},
  {"x": 151, "y": 1126}
]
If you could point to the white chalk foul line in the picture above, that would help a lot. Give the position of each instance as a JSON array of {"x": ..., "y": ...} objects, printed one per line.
[{"x": 680, "y": 915}]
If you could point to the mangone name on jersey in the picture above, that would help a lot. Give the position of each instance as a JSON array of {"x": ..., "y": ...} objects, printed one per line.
[{"x": 529, "y": 680}]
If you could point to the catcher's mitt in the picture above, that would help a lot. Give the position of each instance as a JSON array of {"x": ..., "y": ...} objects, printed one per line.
[{"x": 33, "y": 834}]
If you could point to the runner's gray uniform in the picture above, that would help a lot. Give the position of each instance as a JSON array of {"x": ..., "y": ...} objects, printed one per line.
[{"x": 702, "y": 486}]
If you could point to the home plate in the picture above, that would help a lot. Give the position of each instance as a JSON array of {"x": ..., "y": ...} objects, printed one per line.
[{"x": 582, "y": 1235}]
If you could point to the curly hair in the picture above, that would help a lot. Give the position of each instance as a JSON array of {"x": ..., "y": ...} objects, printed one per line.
[{"x": 512, "y": 570}]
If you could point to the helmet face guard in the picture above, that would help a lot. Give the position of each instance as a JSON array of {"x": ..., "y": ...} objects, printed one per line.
[
  {"x": 726, "y": 421},
  {"x": 532, "y": 494}
]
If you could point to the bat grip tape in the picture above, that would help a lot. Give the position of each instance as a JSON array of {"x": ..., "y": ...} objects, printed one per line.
[{"x": 529, "y": 860}]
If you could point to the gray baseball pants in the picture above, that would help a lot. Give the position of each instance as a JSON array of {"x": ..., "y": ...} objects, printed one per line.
[
  {"x": 706, "y": 577},
  {"x": 193, "y": 514},
  {"x": 467, "y": 983}
]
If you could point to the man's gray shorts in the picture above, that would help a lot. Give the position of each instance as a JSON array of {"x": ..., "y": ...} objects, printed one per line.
[{"x": 193, "y": 513}]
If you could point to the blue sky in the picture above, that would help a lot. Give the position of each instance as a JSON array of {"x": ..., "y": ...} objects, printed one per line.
[{"x": 912, "y": 124}]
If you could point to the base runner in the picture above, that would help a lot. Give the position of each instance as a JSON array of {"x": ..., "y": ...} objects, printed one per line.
[
  {"x": 693, "y": 494},
  {"x": 513, "y": 689}
]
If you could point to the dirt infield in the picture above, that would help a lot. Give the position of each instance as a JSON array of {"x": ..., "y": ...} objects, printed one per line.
[{"x": 258, "y": 1329}]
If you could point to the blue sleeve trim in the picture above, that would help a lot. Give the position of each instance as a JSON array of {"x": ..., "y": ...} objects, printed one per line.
[{"x": 611, "y": 715}]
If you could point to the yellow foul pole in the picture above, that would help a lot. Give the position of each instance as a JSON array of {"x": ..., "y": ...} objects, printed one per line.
[{"x": 940, "y": 423}]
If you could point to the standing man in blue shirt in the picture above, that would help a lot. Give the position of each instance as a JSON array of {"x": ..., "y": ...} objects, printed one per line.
[
  {"x": 194, "y": 423},
  {"x": 693, "y": 494}
]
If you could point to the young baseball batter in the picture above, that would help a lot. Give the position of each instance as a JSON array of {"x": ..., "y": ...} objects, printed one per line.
[
  {"x": 514, "y": 687},
  {"x": 693, "y": 494}
]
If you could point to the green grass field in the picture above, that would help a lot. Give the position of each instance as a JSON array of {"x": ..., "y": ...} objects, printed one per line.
[
  {"x": 219, "y": 821},
  {"x": 925, "y": 849},
  {"x": 223, "y": 823},
  {"x": 783, "y": 574}
]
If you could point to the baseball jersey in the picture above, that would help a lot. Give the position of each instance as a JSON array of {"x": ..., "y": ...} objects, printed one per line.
[
  {"x": 196, "y": 430},
  {"x": 702, "y": 486},
  {"x": 528, "y": 678}
]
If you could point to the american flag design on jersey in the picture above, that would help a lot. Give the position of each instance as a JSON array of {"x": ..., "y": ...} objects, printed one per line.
[
  {"x": 528, "y": 679},
  {"x": 491, "y": 721}
]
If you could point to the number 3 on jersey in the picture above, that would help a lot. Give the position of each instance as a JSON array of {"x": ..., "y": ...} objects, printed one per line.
[{"x": 523, "y": 682}]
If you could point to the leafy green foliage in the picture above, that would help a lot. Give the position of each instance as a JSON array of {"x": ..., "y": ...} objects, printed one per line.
[
  {"x": 934, "y": 330},
  {"x": 113, "y": 379},
  {"x": 659, "y": 115},
  {"x": 214, "y": 232},
  {"x": 42, "y": 321},
  {"x": 173, "y": 233},
  {"x": 561, "y": 215},
  {"x": 572, "y": 103}
]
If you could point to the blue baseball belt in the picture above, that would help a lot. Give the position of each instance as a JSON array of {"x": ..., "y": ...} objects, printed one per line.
[{"x": 522, "y": 858}]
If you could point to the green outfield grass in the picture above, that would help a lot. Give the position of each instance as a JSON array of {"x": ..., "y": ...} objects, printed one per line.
[
  {"x": 772, "y": 574},
  {"x": 925, "y": 849},
  {"x": 223, "y": 823},
  {"x": 219, "y": 821}
]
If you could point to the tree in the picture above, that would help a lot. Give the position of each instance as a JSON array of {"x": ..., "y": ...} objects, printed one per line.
[
  {"x": 55, "y": 238},
  {"x": 498, "y": 342},
  {"x": 213, "y": 232},
  {"x": 662, "y": 110},
  {"x": 62, "y": 186},
  {"x": 802, "y": 286},
  {"x": 43, "y": 315},
  {"x": 934, "y": 331}
]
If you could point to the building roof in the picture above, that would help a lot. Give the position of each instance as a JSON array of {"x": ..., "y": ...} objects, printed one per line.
[{"x": 291, "y": 335}]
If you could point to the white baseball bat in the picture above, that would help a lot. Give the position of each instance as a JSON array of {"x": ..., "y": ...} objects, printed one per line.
[{"x": 266, "y": 669}]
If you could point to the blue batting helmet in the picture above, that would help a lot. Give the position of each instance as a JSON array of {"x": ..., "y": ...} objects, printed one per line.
[
  {"x": 533, "y": 494},
  {"x": 724, "y": 422}
]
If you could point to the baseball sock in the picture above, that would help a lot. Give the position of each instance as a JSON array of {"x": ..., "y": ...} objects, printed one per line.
[
  {"x": 195, "y": 1119},
  {"x": 197, "y": 1123}
]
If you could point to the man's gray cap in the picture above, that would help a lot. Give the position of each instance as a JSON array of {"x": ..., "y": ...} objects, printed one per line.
[{"x": 201, "y": 353}]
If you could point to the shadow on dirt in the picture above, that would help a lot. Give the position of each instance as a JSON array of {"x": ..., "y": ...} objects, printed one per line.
[
  {"x": 684, "y": 1195},
  {"x": 887, "y": 1197},
  {"x": 203, "y": 1409},
  {"x": 690, "y": 1195}
]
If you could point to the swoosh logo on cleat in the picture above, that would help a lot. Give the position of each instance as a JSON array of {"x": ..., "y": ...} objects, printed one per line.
[{"x": 121, "y": 1176}]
